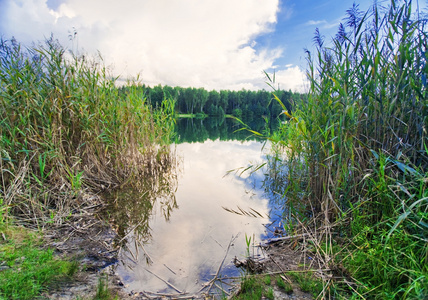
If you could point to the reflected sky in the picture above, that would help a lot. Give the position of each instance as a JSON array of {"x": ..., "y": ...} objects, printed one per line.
[{"x": 188, "y": 249}]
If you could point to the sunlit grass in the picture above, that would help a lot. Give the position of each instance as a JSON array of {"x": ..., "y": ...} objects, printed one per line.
[{"x": 28, "y": 269}]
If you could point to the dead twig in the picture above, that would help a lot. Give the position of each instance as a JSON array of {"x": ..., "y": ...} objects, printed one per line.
[
  {"x": 169, "y": 284},
  {"x": 221, "y": 265}
]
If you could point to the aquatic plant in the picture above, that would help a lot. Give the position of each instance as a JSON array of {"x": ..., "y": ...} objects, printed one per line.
[
  {"x": 67, "y": 128},
  {"x": 356, "y": 149}
]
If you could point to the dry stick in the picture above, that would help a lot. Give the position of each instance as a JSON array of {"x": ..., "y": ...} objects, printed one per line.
[
  {"x": 281, "y": 269},
  {"x": 355, "y": 291},
  {"x": 220, "y": 288},
  {"x": 273, "y": 240},
  {"x": 132, "y": 230},
  {"x": 174, "y": 296},
  {"x": 172, "y": 286},
  {"x": 313, "y": 238},
  {"x": 169, "y": 269},
  {"x": 147, "y": 254},
  {"x": 281, "y": 272},
  {"x": 219, "y": 268}
]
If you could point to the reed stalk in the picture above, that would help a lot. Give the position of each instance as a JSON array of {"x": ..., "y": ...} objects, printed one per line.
[
  {"x": 356, "y": 148},
  {"x": 70, "y": 129}
]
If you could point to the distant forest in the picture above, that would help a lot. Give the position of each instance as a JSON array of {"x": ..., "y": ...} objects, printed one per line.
[{"x": 243, "y": 104}]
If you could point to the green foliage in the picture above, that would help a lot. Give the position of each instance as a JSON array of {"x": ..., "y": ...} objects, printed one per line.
[
  {"x": 253, "y": 287},
  {"x": 308, "y": 283},
  {"x": 28, "y": 269},
  {"x": 67, "y": 127},
  {"x": 355, "y": 147},
  {"x": 103, "y": 292},
  {"x": 286, "y": 286},
  {"x": 242, "y": 104}
]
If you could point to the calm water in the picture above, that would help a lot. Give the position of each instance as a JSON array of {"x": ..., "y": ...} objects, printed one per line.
[{"x": 178, "y": 229}]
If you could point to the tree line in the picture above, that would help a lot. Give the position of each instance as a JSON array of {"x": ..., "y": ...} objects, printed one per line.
[{"x": 243, "y": 104}]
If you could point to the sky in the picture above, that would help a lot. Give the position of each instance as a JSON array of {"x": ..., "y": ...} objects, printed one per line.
[{"x": 214, "y": 44}]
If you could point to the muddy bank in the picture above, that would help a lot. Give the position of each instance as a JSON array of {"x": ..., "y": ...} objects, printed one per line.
[{"x": 90, "y": 240}]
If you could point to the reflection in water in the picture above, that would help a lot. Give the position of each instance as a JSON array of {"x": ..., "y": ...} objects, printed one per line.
[
  {"x": 192, "y": 130},
  {"x": 130, "y": 209},
  {"x": 274, "y": 184},
  {"x": 186, "y": 251}
]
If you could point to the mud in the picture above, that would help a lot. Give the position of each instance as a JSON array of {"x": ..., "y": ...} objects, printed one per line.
[{"x": 90, "y": 240}]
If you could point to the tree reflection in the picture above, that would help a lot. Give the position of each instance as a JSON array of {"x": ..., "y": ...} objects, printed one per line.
[{"x": 192, "y": 130}]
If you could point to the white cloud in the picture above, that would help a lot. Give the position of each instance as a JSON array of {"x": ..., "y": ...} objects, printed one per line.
[
  {"x": 291, "y": 77},
  {"x": 323, "y": 23},
  {"x": 207, "y": 44},
  {"x": 318, "y": 22}
]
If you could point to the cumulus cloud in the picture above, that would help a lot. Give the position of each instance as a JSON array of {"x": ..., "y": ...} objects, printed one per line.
[
  {"x": 291, "y": 77},
  {"x": 207, "y": 44}
]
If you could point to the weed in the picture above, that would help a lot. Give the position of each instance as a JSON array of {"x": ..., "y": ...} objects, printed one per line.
[
  {"x": 307, "y": 282},
  {"x": 270, "y": 294},
  {"x": 282, "y": 284},
  {"x": 267, "y": 280},
  {"x": 103, "y": 292},
  {"x": 69, "y": 128},
  {"x": 28, "y": 269},
  {"x": 254, "y": 287}
]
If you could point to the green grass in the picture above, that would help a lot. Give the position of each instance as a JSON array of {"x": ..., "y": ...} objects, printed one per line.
[
  {"x": 197, "y": 115},
  {"x": 103, "y": 292},
  {"x": 68, "y": 131},
  {"x": 29, "y": 269},
  {"x": 259, "y": 286},
  {"x": 251, "y": 288},
  {"x": 307, "y": 282},
  {"x": 282, "y": 284}
]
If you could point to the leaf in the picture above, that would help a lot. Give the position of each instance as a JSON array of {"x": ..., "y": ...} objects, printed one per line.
[{"x": 404, "y": 216}]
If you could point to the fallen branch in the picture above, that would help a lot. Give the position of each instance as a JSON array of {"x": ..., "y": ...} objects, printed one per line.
[
  {"x": 169, "y": 284},
  {"x": 221, "y": 265}
]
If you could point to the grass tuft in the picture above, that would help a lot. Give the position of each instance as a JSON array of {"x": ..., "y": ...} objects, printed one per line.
[{"x": 28, "y": 269}]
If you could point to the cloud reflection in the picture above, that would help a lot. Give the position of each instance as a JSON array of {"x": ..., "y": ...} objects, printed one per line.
[{"x": 188, "y": 249}]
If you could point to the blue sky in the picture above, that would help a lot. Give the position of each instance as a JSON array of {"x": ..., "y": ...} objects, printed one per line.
[
  {"x": 215, "y": 44},
  {"x": 296, "y": 24}
]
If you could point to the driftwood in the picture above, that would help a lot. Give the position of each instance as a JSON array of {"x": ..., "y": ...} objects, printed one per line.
[{"x": 250, "y": 264}]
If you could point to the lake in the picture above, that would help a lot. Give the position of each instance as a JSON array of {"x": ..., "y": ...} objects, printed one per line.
[{"x": 189, "y": 221}]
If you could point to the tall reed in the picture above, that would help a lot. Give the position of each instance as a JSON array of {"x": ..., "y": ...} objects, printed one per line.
[
  {"x": 357, "y": 147},
  {"x": 66, "y": 128}
]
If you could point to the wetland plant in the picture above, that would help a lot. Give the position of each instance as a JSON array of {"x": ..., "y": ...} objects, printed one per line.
[
  {"x": 69, "y": 130},
  {"x": 357, "y": 154}
]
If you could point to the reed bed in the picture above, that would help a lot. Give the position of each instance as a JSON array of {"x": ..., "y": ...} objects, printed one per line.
[
  {"x": 68, "y": 131},
  {"x": 357, "y": 155}
]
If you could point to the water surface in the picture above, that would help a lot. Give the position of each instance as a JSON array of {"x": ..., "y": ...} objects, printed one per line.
[{"x": 189, "y": 230}]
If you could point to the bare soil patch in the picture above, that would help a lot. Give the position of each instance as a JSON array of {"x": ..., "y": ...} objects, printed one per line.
[{"x": 90, "y": 240}]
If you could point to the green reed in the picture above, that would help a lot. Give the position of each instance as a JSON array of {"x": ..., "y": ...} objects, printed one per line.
[
  {"x": 356, "y": 147},
  {"x": 67, "y": 126}
]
